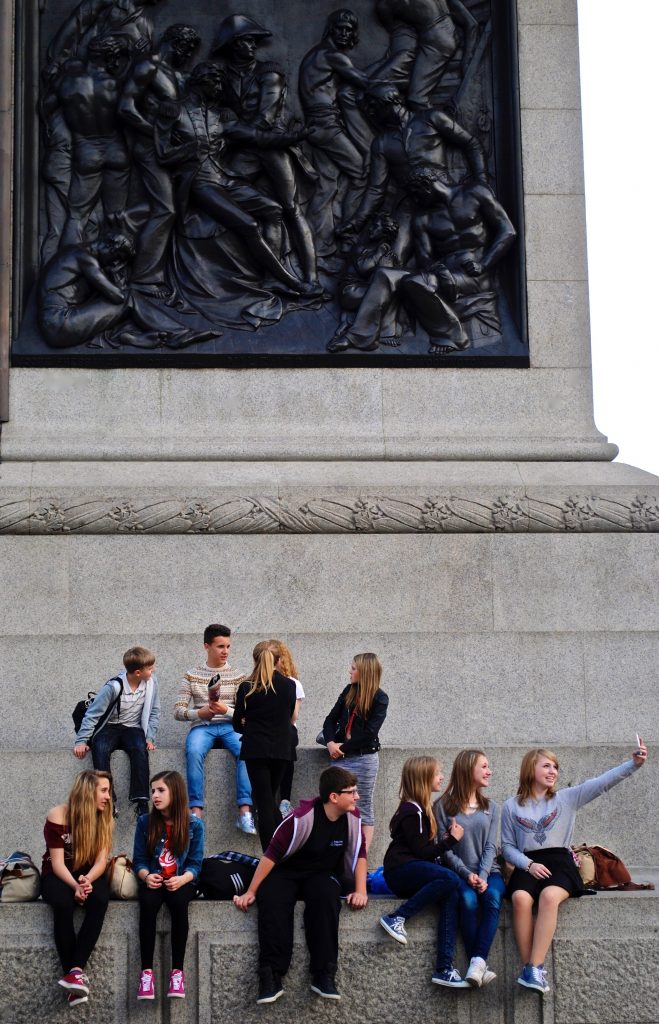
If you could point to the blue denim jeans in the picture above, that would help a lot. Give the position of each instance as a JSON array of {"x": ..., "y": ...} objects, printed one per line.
[
  {"x": 479, "y": 915},
  {"x": 200, "y": 740},
  {"x": 124, "y": 737},
  {"x": 426, "y": 882}
]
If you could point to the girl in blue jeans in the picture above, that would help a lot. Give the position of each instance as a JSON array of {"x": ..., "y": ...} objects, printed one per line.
[
  {"x": 473, "y": 858},
  {"x": 411, "y": 867}
]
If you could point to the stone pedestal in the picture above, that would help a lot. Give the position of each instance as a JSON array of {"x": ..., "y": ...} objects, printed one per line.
[{"x": 466, "y": 524}]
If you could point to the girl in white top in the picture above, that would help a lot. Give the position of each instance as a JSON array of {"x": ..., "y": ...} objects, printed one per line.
[{"x": 536, "y": 832}]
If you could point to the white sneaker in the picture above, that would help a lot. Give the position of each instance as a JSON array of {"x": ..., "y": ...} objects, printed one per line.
[
  {"x": 488, "y": 976},
  {"x": 245, "y": 822},
  {"x": 476, "y": 971}
]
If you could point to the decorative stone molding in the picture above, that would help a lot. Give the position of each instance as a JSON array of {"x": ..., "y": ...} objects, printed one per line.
[{"x": 236, "y": 514}]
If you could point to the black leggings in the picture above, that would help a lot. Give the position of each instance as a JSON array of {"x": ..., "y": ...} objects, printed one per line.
[
  {"x": 286, "y": 786},
  {"x": 75, "y": 950},
  {"x": 265, "y": 774},
  {"x": 151, "y": 900}
]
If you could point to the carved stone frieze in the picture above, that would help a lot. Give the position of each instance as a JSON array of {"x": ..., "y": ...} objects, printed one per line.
[{"x": 355, "y": 513}]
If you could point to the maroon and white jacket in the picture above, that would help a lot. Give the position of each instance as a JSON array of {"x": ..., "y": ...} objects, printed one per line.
[{"x": 294, "y": 831}]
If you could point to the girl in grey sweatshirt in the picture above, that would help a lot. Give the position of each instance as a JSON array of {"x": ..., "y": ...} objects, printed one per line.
[
  {"x": 536, "y": 831},
  {"x": 473, "y": 858}
]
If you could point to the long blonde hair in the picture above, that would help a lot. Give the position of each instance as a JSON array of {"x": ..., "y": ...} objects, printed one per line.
[
  {"x": 91, "y": 830},
  {"x": 460, "y": 785},
  {"x": 265, "y": 655},
  {"x": 286, "y": 664},
  {"x": 362, "y": 693},
  {"x": 527, "y": 773},
  {"x": 416, "y": 785}
]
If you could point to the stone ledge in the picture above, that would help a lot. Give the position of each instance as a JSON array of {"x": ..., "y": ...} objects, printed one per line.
[
  {"x": 376, "y": 977},
  {"x": 323, "y": 498},
  {"x": 617, "y": 820}
]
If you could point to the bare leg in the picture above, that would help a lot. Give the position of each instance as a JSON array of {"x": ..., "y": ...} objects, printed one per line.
[
  {"x": 523, "y": 923},
  {"x": 545, "y": 922},
  {"x": 368, "y": 831}
]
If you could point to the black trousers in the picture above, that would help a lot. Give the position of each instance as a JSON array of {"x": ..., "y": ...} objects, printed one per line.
[
  {"x": 151, "y": 900},
  {"x": 75, "y": 950},
  {"x": 265, "y": 775},
  {"x": 276, "y": 898}
]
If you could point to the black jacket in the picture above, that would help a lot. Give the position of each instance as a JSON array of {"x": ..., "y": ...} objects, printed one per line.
[
  {"x": 410, "y": 838},
  {"x": 364, "y": 731},
  {"x": 264, "y": 719}
]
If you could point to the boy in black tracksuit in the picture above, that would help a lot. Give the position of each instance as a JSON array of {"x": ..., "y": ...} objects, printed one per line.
[{"x": 311, "y": 852}]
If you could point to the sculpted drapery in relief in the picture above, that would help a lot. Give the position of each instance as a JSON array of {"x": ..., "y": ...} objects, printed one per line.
[{"x": 197, "y": 186}]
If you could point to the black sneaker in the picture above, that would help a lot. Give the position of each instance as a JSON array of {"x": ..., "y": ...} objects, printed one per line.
[
  {"x": 141, "y": 807},
  {"x": 323, "y": 985},
  {"x": 270, "y": 986}
]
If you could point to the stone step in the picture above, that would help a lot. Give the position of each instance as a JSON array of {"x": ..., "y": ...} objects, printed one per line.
[
  {"x": 602, "y": 968},
  {"x": 32, "y": 782}
]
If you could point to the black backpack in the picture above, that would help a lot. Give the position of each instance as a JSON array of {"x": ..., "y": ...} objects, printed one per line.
[
  {"x": 80, "y": 710},
  {"x": 225, "y": 875}
]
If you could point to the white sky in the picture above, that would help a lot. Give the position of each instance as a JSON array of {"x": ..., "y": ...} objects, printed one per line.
[{"x": 620, "y": 99}]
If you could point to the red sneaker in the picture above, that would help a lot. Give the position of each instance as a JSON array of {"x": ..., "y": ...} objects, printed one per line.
[
  {"x": 176, "y": 988},
  {"x": 75, "y": 981},
  {"x": 73, "y": 998},
  {"x": 146, "y": 989}
]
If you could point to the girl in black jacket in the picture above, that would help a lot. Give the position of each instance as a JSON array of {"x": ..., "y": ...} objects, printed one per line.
[
  {"x": 264, "y": 711},
  {"x": 412, "y": 868},
  {"x": 351, "y": 729}
]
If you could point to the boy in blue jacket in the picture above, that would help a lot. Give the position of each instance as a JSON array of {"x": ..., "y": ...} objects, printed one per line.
[
  {"x": 316, "y": 851},
  {"x": 124, "y": 715}
]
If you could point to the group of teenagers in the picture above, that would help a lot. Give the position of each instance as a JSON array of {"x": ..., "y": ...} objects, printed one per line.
[{"x": 444, "y": 850}]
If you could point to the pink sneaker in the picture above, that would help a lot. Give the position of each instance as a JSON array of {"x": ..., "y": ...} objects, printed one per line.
[
  {"x": 73, "y": 998},
  {"x": 176, "y": 988},
  {"x": 146, "y": 989},
  {"x": 75, "y": 981}
]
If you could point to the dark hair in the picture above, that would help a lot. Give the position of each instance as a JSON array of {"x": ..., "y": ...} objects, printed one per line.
[
  {"x": 388, "y": 226},
  {"x": 107, "y": 46},
  {"x": 215, "y": 629},
  {"x": 179, "y": 815},
  {"x": 182, "y": 34},
  {"x": 333, "y": 780},
  {"x": 343, "y": 14},
  {"x": 120, "y": 246},
  {"x": 207, "y": 69}
]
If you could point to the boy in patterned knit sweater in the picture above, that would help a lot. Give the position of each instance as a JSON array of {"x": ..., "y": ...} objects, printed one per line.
[{"x": 211, "y": 722}]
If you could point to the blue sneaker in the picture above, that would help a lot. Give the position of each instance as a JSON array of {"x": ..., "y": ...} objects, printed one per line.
[
  {"x": 394, "y": 926},
  {"x": 449, "y": 979},
  {"x": 535, "y": 978}
]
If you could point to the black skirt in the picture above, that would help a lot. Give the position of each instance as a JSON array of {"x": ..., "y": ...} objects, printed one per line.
[{"x": 564, "y": 873}]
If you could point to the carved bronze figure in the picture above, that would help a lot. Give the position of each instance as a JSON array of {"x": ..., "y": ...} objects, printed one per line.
[{"x": 341, "y": 190}]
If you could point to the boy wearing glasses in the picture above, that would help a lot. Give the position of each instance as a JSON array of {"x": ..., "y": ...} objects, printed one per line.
[{"x": 314, "y": 853}]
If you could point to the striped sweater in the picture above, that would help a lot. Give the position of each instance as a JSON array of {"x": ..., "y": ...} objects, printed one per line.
[{"x": 193, "y": 693}]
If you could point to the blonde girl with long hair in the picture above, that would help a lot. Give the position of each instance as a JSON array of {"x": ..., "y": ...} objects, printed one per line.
[
  {"x": 288, "y": 668},
  {"x": 264, "y": 713},
  {"x": 78, "y": 837},
  {"x": 473, "y": 858},
  {"x": 167, "y": 855},
  {"x": 351, "y": 731},
  {"x": 536, "y": 833},
  {"x": 411, "y": 864}
]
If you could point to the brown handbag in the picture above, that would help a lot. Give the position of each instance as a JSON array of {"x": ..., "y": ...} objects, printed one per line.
[{"x": 600, "y": 868}]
